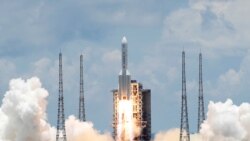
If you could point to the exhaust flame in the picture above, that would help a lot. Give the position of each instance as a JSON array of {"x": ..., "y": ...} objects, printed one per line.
[{"x": 125, "y": 121}]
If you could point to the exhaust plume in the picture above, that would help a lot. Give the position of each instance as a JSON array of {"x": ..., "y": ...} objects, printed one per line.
[
  {"x": 174, "y": 135},
  {"x": 23, "y": 112},
  {"x": 227, "y": 122},
  {"x": 23, "y": 116},
  {"x": 79, "y": 131}
]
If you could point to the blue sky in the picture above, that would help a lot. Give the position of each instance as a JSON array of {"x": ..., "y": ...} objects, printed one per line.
[{"x": 33, "y": 32}]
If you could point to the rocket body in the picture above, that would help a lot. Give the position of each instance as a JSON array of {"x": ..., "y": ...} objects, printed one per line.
[{"x": 124, "y": 76}]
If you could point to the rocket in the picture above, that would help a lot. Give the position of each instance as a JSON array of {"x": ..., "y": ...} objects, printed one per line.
[{"x": 124, "y": 76}]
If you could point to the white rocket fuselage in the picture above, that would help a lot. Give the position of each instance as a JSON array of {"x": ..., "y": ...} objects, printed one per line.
[{"x": 124, "y": 76}]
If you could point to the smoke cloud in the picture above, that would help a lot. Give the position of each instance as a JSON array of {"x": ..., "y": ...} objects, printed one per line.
[
  {"x": 173, "y": 135},
  {"x": 227, "y": 122},
  {"x": 22, "y": 113},
  {"x": 23, "y": 116},
  {"x": 79, "y": 131}
]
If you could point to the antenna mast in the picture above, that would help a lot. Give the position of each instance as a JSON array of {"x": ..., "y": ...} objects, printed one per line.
[
  {"x": 184, "y": 133},
  {"x": 81, "y": 98},
  {"x": 61, "y": 133},
  {"x": 201, "y": 112}
]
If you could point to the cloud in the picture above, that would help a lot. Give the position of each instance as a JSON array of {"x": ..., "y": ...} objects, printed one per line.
[
  {"x": 92, "y": 20},
  {"x": 227, "y": 122},
  {"x": 217, "y": 26},
  {"x": 234, "y": 81},
  {"x": 231, "y": 77},
  {"x": 174, "y": 135},
  {"x": 78, "y": 131},
  {"x": 23, "y": 116},
  {"x": 41, "y": 65},
  {"x": 24, "y": 107},
  {"x": 112, "y": 56}
]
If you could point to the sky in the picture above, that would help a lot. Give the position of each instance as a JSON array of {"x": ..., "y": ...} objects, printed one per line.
[{"x": 32, "y": 33}]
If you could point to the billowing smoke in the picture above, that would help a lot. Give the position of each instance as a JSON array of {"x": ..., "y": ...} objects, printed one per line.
[
  {"x": 79, "y": 131},
  {"x": 22, "y": 113},
  {"x": 227, "y": 122},
  {"x": 23, "y": 116},
  {"x": 173, "y": 135}
]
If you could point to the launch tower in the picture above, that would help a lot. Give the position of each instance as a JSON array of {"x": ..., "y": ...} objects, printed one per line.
[
  {"x": 81, "y": 97},
  {"x": 184, "y": 129},
  {"x": 61, "y": 133},
  {"x": 201, "y": 112}
]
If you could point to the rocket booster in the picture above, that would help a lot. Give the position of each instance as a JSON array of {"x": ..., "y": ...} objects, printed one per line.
[{"x": 124, "y": 76}]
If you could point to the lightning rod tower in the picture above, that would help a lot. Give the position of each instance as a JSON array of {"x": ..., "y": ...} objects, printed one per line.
[
  {"x": 184, "y": 130},
  {"x": 61, "y": 133},
  {"x": 81, "y": 98},
  {"x": 201, "y": 113}
]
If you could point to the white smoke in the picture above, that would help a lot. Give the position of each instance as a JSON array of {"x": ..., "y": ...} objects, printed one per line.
[
  {"x": 23, "y": 116},
  {"x": 79, "y": 131},
  {"x": 171, "y": 135},
  {"x": 174, "y": 135},
  {"x": 22, "y": 112},
  {"x": 227, "y": 122}
]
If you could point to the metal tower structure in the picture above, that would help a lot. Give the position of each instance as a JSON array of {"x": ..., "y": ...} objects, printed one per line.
[
  {"x": 201, "y": 112},
  {"x": 184, "y": 130},
  {"x": 81, "y": 98},
  {"x": 61, "y": 133}
]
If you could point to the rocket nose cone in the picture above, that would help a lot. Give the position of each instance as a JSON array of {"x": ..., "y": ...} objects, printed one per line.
[{"x": 124, "y": 40}]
